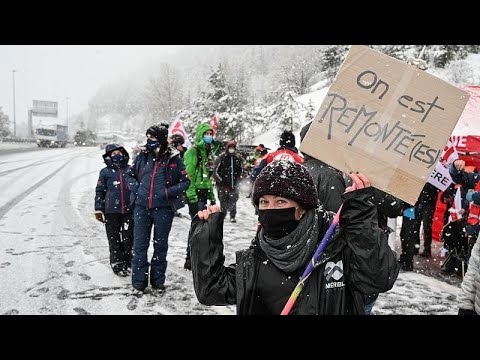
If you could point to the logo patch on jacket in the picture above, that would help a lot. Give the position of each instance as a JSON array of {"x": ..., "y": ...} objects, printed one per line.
[{"x": 333, "y": 273}]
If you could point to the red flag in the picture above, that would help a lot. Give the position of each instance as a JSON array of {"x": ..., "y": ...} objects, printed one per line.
[{"x": 213, "y": 124}]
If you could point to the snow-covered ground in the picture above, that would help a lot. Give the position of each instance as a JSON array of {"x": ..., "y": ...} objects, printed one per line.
[{"x": 54, "y": 254}]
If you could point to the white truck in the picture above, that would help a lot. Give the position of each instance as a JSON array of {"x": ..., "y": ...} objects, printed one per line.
[
  {"x": 51, "y": 136},
  {"x": 45, "y": 126}
]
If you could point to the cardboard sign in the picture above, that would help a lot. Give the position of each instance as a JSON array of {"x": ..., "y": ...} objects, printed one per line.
[{"x": 386, "y": 119}]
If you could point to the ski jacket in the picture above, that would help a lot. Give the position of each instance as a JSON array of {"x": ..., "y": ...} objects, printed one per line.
[
  {"x": 196, "y": 161},
  {"x": 158, "y": 182},
  {"x": 228, "y": 170},
  {"x": 112, "y": 194}
]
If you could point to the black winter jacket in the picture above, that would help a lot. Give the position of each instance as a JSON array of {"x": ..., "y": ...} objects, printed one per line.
[
  {"x": 228, "y": 170},
  {"x": 329, "y": 182},
  {"x": 356, "y": 263}
]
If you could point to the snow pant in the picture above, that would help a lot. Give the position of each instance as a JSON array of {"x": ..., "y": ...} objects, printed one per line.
[
  {"x": 194, "y": 208},
  {"x": 119, "y": 228},
  {"x": 228, "y": 198},
  {"x": 161, "y": 218}
]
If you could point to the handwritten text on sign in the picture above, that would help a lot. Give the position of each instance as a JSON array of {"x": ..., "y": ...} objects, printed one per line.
[{"x": 387, "y": 119}]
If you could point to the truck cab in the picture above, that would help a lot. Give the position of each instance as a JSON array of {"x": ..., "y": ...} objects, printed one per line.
[{"x": 51, "y": 136}]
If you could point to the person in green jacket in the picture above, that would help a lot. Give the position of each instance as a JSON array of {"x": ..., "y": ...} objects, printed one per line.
[{"x": 200, "y": 165}]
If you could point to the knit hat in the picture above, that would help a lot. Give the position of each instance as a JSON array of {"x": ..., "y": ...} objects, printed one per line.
[
  {"x": 289, "y": 180},
  {"x": 287, "y": 139},
  {"x": 160, "y": 132}
]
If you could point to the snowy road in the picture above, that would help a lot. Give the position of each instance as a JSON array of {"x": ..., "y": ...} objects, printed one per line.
[{"x": 54, "y": 254}]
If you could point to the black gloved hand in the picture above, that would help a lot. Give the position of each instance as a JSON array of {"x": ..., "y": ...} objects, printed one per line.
[{"x": 466, "y": 312}]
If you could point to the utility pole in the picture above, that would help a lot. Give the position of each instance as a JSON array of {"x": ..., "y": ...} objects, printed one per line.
[
  {"x": 14, "y": 115},
  {"x": 67, "y": 110}
]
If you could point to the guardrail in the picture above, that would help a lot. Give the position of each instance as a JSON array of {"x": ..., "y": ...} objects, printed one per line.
[{"x": 16, "y": 140}]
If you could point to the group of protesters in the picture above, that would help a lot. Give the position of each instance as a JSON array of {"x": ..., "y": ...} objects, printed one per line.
[{"x": 295, "y": 197}]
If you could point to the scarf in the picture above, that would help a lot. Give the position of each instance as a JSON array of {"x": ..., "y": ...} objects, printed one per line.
[{"x": 293, "y": 251}]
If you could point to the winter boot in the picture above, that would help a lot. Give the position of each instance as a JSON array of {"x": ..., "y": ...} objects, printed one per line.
[
  {"x": 232, "y": 220},
  {"x": 188, "y": 264},
  {"x": 158, "y": 289}
]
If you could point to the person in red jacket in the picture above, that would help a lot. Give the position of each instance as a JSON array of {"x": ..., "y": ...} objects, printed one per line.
[{"x": 286, "y": 151}]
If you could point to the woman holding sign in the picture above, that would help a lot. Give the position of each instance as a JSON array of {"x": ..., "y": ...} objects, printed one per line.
[{"x": 356, "y": 262}]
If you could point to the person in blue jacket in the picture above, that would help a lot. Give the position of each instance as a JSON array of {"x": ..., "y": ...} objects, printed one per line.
[
  {"x": 113, "y": 208},
  {"x": 158, "y": 180}
]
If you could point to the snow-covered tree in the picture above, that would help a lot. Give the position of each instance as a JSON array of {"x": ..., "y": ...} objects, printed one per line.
[
  {"x": 163, "y": 94},
  {"x": 310, "y": 112},
  {"x": 4, "y": 124},
  {"x": 333, "y": 57},
  {"x": 460, "y": 72},
  {"x": 226, "y": 98},
  {"x": 298, "y": 69},
  {"x": 287, "y": 113}
]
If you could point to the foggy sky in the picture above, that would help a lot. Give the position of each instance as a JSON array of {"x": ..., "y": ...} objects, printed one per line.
[{"x": 55, "y": 72}]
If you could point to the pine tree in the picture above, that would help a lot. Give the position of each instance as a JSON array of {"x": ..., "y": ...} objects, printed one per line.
[
  {"x": 4, "y": 124},
  {"x": 310, "y": 112},
  {"x": 333, "y": 57},
  {"x": 286, "y": 114},
  {"x": 226, "y": 98},
  {"x": 442, "y": 55}
]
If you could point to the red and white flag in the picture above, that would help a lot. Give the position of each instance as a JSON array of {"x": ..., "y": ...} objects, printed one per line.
[
  {"x": 440, "y": 177},
  {"x": 213, "y": 124},
  {"x": 178, "y": 128},
  {"x": 450, "y": 153},
  {"x": 456, "y": 206}
]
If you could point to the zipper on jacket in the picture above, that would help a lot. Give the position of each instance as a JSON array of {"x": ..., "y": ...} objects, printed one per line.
[
  {"x": 122, "y": 202},
  {"x": 150, "y": 200},
  {"x": 231, "y": 168}
]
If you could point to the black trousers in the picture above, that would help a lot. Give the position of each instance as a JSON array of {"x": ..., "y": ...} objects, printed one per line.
[
  {"x": 194, "y": 208},
  {"x": 408, "y": 236},
  {"x": 119, "y": 229},
  {"x": 228, "y": 200}
]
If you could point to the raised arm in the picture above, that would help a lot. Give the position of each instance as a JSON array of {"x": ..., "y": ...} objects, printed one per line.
[{"x": 213, "y": 282}]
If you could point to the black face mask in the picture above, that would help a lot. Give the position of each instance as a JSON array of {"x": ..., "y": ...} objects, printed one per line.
[{"x": 277, "y": 223}]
